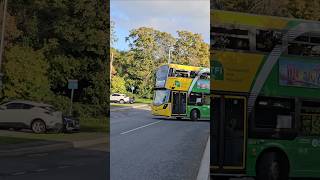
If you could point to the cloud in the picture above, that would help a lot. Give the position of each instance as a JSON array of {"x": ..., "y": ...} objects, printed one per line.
[{"x": 164, "y": 15}]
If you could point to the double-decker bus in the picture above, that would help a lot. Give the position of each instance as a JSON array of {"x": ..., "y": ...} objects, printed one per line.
[
  {"x": 265, "y": 96},
  {"x": 182, "y": 91}
]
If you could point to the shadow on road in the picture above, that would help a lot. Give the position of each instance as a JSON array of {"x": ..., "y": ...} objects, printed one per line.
[
  {"x": 80, "y": 164},
  {"x": 184, "y": 120}
]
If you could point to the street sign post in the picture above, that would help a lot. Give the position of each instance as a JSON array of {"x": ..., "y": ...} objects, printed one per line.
[{"x": 72, "y": 84}]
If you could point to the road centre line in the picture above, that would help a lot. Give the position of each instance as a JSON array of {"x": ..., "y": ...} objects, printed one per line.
[{"x": 140, "y": 127}]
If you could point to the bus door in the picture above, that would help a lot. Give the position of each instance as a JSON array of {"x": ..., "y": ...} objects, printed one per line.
[
  {"x": 228, "y": 132},
  {"x": 179, "y": 103}
]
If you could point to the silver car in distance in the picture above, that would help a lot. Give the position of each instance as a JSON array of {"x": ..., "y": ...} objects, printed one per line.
[{"x": 38, "y": 117}]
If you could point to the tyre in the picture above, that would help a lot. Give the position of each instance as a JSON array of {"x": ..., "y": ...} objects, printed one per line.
[
  {"x": 38, "y": 126},
  {"x": 272, "y": 166},
  {"x": 121, "y": 101},
  {"x": 194, "y": 115}
]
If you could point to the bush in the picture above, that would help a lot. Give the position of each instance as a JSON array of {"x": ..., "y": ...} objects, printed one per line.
[{"x": 62, "y": 103}]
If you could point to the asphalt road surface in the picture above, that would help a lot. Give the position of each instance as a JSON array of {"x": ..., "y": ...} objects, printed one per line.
[
  {"x": 72, "y": 164},
  {"x": 147, "y": 148}
]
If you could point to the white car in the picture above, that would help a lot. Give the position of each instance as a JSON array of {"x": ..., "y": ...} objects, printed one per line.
[
  {"x": 38, "y": 117},
  {"x": 121, "y": 98}
]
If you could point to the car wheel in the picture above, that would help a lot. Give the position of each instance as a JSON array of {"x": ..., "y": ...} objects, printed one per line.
[
  {"x": 194, "y": 115},
  {"x": 272, "y": 166},
  {"x": 121, "y": 101},
  {"x": 38, "y": 126}
]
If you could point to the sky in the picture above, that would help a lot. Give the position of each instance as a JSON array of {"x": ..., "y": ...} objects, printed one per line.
[{"x": 164, "y": 15}]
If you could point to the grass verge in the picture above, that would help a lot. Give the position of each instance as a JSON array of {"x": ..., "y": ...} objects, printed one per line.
[
  {"x": 90, "y": 124},
  {"x": 15, "y": 140}
]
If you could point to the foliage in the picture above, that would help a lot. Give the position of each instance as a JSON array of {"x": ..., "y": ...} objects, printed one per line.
[
  {"x": 51, "y": 41},
  {"x": 191, "y": 50},
  {"x": 149, "y": 48},
  {"x": 118, "y": 85},
  {"x": 304, "y": 9},
  {"x": 26, "y": 74}
]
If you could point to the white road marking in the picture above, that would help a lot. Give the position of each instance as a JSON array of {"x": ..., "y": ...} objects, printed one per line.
[
  {"x": 140, "y": 127},
  {"x": 19, "y": 173}
]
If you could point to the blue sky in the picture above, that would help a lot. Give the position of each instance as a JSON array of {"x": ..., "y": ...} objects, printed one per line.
[{"x": 164, "y": 15}]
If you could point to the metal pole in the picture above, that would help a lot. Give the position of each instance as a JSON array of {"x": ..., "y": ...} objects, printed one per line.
[
  {"x": 3, "y": 31},
  {"x": 70, "y": 112},
  {"x": 169, "y": 60}
]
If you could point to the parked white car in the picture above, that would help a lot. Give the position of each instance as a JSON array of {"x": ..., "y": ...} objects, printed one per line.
[
  {"x": 120, "y": 98},
  {"x": 38, "y": 117}
]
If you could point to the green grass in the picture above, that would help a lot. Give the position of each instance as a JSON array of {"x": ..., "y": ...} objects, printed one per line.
[
  {"x": 121, "y": 105},
  {"x": 144, "y": 101},
  {"x": 90, "y": 124},
  {"x": 15, "y": 140}
]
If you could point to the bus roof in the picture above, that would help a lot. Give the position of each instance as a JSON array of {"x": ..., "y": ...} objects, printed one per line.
[
  {"x": 185, "y": 67},
  {"x": 256, "y": 20}
]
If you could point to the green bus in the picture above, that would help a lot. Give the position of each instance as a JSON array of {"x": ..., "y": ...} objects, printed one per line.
[
  {"x": 265, "y": 96},
  {"x": 182, "y": 91}
]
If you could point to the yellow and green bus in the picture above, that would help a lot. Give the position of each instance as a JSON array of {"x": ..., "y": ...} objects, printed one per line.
[
  {"x": 265, "y": 96},
  {"x": 182, "y": 91}
]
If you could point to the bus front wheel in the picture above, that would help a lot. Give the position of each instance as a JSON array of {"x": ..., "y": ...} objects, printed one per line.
[
  {"x": 194, "y": 115},
  {"x": 273, "y": 166}
]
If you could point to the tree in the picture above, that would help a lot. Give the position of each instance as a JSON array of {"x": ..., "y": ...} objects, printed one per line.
[
  {"x": 26, "y": 74},
  {"x": 118, "y": 85},
  {"x": 190, "y": 49},
  {"x": 74, "y": 38},
  {"x": 149, "y": 48}
]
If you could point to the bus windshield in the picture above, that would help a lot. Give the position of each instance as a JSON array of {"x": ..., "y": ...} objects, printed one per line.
[
  {"x": 161, "y": 76},
  {"x": 161, "y": 97}
]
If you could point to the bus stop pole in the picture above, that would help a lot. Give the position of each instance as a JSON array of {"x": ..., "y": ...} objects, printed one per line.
[{"x": 70, "y": 111}]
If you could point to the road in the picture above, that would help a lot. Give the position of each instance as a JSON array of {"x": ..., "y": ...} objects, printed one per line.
[
  {"x": 79, "y": 164},
  {"x": 144, "y": 147}
]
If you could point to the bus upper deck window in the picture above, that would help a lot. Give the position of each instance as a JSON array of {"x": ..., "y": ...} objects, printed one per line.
[
  {"x": 171, "y": 72},
  {"x": 193, "y": 74},
  {"x": 267, "y": 39}
]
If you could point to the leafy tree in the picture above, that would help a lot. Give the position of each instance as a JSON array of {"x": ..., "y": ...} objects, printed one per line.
[
  {"x": 190, "y": 49},
  {"x": 149, "y": 48},
  {"x": 118, "y": 85},
  {"x": 26, "y": 74}
]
